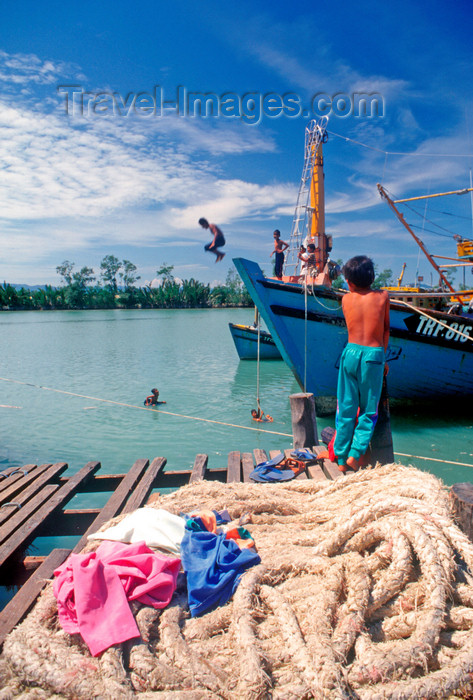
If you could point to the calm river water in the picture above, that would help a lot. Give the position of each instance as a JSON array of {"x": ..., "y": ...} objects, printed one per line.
[{"x": 189, "y": 355}]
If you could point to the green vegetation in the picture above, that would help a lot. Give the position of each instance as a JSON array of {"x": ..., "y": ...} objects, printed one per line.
[{"x": 116, "y": 289}]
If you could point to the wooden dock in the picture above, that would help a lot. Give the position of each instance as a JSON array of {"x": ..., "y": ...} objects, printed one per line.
[{"x": 35, "y": 502}]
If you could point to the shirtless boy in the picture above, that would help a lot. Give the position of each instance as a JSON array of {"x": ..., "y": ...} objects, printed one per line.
[
  {"x": 279, "y": 248},
  {"x": 362, "y": 364},
  {"x": 218, "y": 239}
]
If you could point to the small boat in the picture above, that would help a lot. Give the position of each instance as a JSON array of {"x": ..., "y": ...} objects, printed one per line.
[
  {"x": 246, "y": 343},
  {"x": 430, "y": 352}
]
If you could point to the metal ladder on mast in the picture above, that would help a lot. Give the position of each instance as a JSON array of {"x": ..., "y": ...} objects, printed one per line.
[{"x": 315, "y": 133}]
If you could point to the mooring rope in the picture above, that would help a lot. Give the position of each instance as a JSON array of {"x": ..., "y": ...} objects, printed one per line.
[
  {"x": 141, "y": 408},
  {"x": 205, "y": 420}
]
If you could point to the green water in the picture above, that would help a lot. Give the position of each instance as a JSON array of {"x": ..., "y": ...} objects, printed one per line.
[{"x": 189, "y": 355}]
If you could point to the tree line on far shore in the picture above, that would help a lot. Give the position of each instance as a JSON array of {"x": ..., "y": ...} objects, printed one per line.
[{"x": 117, "y": 288}]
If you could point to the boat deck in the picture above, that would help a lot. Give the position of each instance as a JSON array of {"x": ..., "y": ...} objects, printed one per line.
[{"x": 35, "y": 502}]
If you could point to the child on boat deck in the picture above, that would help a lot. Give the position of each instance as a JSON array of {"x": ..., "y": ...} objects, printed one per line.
[
  {"x": 218, "y": 239},
  {"x": 279, "y": 247},
  {"x": 362, "y": 362}
]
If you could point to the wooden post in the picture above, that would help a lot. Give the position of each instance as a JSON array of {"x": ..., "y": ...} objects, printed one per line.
[
  {"x": 304, "y": 426},
  {"x": 461, "y": 498},
  {"x": 381, "y": 446}
]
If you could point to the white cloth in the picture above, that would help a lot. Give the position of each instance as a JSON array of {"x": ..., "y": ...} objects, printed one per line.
[{"x": 157, "y": 527}]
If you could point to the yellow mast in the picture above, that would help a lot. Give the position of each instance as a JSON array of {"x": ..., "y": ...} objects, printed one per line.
[{"x": 317, "y": 206}]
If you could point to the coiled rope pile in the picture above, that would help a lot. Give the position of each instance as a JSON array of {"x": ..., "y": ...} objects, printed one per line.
[{"x": 364, "y": 591}]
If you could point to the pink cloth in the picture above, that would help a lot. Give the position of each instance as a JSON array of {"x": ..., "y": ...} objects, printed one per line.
[{"x": 93, "y": 590}]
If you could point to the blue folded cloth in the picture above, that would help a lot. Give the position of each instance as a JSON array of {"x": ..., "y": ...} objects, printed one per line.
[
  {"x": 213, "y": 566},
  {"x": 263, "y": 472}
]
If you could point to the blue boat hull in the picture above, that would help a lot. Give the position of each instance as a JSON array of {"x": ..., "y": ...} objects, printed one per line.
[
  {"x": 425, "y": 359},
  {"x": 246, "y": 343}
]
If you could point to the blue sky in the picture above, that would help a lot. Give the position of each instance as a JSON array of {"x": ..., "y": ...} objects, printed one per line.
[{"x": 118, "y": 178}]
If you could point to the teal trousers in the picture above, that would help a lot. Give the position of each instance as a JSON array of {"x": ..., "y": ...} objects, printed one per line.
[{"x": 360, "y": 380}]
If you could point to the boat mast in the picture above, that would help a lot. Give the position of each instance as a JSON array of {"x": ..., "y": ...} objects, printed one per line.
[
  {"x": 390, "y": 202},
  {"x": 310, "y": 197},
  {"x": 317, "y": 209}
]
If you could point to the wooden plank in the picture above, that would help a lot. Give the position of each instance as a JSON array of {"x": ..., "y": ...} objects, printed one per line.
[
  {"x": 247, "y": 466},
  {"x": 145, "y": 484},
  {"x": 316, "y": 472},
  {"x": 9, "y": 470},
  {"x": 15, "y": 475},
  {"x": 234, "y": 467},
  {"x": 20, "y": 604},
  {"x": 68, "y": 523},
  {"x": 260, "y": 456},
  {"x": 41, "y": 477},
  {"x": 115, "y": 502},
  {"x": 57, "y": 497},
  {"x": 461, "y": 499},
  {"x": 304, "y": 424},
  {"x": 19, "y": 516},
  {"x": 199, "y": 468},
  {"x": 331, "y": 470},
  {"x": 100, "y": 482}
]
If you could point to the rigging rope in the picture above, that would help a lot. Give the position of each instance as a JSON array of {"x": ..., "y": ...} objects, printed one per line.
[
  {"x": 401, "y": 153},
  {"x": 205, "y": 420},
  {"x": 258, "y": 360}
]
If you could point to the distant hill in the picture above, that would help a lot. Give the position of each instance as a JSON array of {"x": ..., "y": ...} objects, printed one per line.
[{"x": 31, "y": 287}]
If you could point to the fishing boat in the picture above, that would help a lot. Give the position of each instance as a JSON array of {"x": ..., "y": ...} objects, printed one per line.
[
  {"x": 430, "y": 352},
  {"x": 246, "y": 343}
]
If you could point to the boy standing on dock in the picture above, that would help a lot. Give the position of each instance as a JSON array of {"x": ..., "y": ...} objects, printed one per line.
[
  {"x": 362, "y": 363},
  {"x": 279, "y": 248}
]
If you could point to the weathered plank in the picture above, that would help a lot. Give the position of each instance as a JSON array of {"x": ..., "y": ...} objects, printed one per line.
[
  {"x": 115, "y": 502},
  {"x": 19, "y": 516},
  {"x": 199, "y": 468},
  {"x": 143, "y": 489},
  {"x": 14, "y": 476},
  {"x": 331, "y": 470},
  {"x": 39, "y": 478},
  {"x": 260, "y": 456},
  {"x": 247, "y": 466},
  {"x": 304, "y": 425},
  {"x": 234, "y": 467},
  {"x": 20, "y": 604},
  {"x": 315, "y": 472},
  {"x": 461, "y": 498},
  {"x": 57, "y": 497}
]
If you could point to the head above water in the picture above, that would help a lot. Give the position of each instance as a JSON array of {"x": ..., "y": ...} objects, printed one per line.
[
  {"x": 155, "y": 391},
  {"x": 359, "y": 271},
  {"x": 204, "y": 223}
]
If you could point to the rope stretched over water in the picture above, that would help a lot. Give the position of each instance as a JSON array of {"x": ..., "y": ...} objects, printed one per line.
[
  {"x": 205, "y": 420},
  {"x": 141, "y": 408}
]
